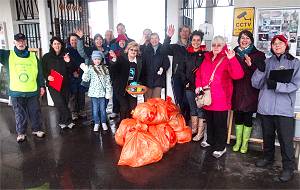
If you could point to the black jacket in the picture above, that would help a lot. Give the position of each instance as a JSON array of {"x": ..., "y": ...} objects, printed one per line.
[
  {"x": 189, "y": 68},
  {"x": 120, "y": 71},
  {"x": 152, "y": 64},
  {"x": 52, "y": 61},
  {"x": 178, "y": 52}
]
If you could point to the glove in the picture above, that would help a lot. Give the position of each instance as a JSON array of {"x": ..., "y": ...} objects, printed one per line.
[
  {"x": 271, "y": 84},
  {"x": 160, "y": 71},
  {"x": 261, "y": 66},
  {"x": 84, "y": 67}
]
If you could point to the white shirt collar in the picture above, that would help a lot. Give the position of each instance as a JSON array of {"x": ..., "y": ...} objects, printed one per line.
[{"x": 134, "y": 60}]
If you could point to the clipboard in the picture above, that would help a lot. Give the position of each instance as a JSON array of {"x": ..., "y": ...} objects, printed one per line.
[
  {"x": 283, "y": 76},
  {"x": 58, "y": 79}
]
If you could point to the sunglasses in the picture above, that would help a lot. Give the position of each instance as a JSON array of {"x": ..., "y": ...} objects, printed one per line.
[
  {"x": 135, "y": 50},
  {"x": 216, "y": 45}
]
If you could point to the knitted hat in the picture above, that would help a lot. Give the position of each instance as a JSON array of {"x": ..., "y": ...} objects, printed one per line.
[
  {"x": 121, "y": 37},
  {"x": 281, "y": 38},
  {"x": 97, "y": 55}
]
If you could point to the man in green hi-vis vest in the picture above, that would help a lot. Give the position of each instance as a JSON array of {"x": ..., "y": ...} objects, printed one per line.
[{"x": 26, "y": 84}]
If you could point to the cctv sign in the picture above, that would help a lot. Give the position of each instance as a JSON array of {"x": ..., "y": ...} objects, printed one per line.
[{"x": 243, "y": 20}]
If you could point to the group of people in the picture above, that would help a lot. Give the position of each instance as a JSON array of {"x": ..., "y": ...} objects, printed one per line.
[{"x": 238, "y": 80}]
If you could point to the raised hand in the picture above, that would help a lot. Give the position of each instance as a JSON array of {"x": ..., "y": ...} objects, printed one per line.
[
  {"x": 84, "y": 67},
  {"x": 248, "y": 60},
  {"x": 67, "y": 58},
  {"x": 230, "y": 54},
  {"x": 79, "y": 33},
  {"x": 171, "y": 30}
]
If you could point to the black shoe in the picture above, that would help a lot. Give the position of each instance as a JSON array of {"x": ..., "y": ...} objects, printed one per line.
[
  {"x": 286, "y": 175},
  {"x": 263, "y": 163}
]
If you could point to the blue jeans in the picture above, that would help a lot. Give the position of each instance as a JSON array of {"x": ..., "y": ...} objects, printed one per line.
[
  {"x": 194, "y": 110},
  {"x": 99, "y": 108},
  {"x": 27, "y": 108}
]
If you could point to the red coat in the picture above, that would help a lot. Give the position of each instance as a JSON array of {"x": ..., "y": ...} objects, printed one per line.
[{"x": 222, "y": 85}]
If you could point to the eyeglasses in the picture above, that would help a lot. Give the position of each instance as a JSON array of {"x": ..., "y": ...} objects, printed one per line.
[
  {"x": 216, "y": 45},
  {"x": 135, "y": 50},
  {"x": 278, "y": 44}
]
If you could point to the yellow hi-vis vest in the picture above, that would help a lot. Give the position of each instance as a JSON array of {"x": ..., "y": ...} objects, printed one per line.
[{"x": 23, "y": 72}]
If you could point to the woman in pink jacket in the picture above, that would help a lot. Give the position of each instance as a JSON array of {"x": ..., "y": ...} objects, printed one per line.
[{"x": 221, "y": 91}]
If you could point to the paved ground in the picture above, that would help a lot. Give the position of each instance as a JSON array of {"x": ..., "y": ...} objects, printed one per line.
[{"x": 80, "y": 158}]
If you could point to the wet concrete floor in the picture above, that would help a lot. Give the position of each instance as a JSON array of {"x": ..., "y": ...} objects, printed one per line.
[{"x": 82, "y": 159}]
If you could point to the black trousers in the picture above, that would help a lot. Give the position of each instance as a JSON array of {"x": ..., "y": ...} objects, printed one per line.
[
  {"x": 116, "y": 103},
  {"x": 285, "y": 127},
  {"x": 180, "y": 97},
  {"x": 61, "y": 100},
  {"x": 243, "y": 118},
  {"x": 127, "y": 104},
  {"x": 216, "y": 128},
  {"x": 77, "y": 101}
]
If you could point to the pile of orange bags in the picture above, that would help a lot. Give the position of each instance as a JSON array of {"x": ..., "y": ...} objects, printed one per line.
[{"x": 156, "y": 127}]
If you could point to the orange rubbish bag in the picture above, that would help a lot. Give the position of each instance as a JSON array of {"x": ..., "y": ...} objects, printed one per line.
[
  {"x": 165, "y": 135},
  {"x": 126, "y": 126},
  {"x": 161, "y": 115},
  {"x": 171, "y": 107},
  {"x": 177, "y": 122},
  {"x": 184, "y": 136},
  {"x": 154, "y": 101},
  {"x": 140, "y": 149},
  {"x": 144, "y": 112}
]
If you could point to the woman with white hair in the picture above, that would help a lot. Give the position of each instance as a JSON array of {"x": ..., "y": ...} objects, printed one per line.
[{"x": 219, "y": 68}]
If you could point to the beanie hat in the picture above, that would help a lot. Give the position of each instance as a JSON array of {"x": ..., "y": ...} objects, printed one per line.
[
  {"x": 97, "y": 55},
  {"x": 281, "y": 38},
  {"x": 121, "y": 37}
]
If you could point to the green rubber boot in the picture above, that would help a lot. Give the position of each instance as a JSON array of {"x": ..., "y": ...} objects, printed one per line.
[
  {"x": 246, "y": 137},
  {"x": 239, "y": 134}
]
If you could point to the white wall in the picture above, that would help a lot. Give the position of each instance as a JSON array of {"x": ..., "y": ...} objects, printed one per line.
[{"x": 7, "y": 15}]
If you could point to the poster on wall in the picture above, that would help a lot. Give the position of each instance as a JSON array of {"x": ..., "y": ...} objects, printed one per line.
[
  {"x": 271, "y": 22},
  {"x": 3, "y": 73},
  {"x": 3, "y": 39},
  {"x": 243, "y": 19}
]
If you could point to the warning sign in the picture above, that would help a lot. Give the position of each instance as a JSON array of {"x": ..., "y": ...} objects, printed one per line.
[{"x": 243, "y": 20}]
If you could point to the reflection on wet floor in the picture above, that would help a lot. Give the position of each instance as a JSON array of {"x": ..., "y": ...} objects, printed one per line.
[{"x": 82, "y": 159}]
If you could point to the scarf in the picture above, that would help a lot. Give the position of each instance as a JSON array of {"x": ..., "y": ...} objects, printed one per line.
[
  {"x": 22, "y": 53},
  {"x": 246, "y": 51}
]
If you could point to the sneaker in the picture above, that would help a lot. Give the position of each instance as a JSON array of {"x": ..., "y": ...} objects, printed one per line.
[
  {"x": 82, "y": 114},
  {"x": 21, "y": 138},
  {"x": 204, "y": 144},
  {"x": 39, "y": 134},
  {"x": 74, "y": 115},
  {"x": 218, "y": 154},
  {"x": 71, "y": 125},
  {"x": 104, "y": 126},
  {"x": 96, "y": 127},
  {"x": 62, "y": 126}
]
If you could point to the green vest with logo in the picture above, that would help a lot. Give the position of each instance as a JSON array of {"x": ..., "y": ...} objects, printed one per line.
[{"x": 23, "y": 72}]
